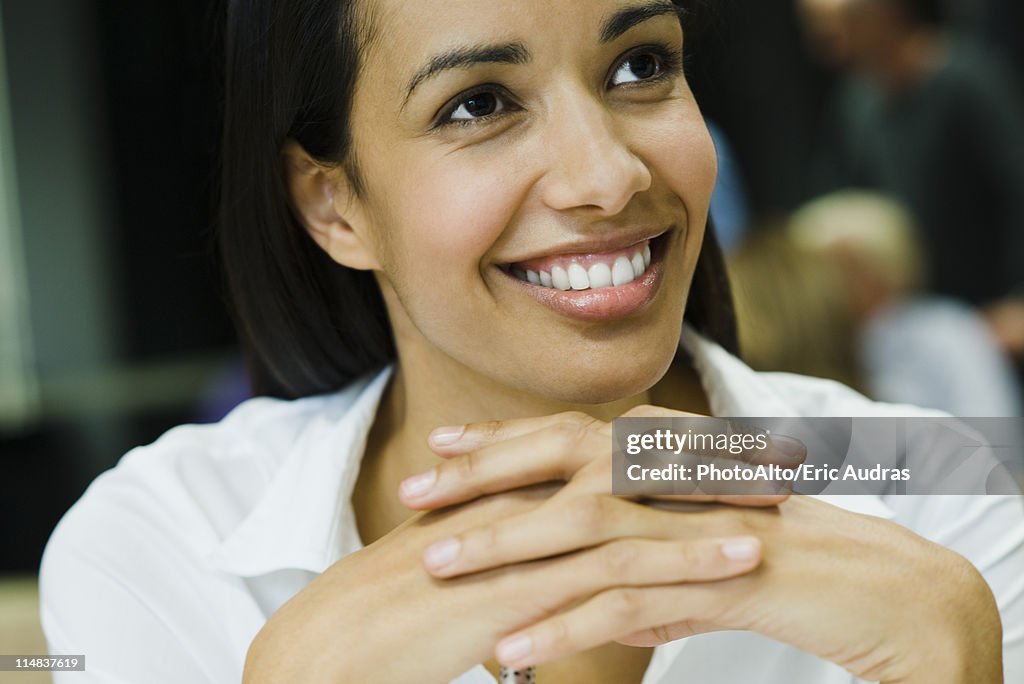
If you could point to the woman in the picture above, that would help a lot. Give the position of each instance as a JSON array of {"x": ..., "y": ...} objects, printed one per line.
[{"x": 460, "y": 190}]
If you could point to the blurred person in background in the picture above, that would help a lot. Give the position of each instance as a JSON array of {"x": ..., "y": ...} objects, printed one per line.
[
  {"x": 912, "y": 347},
  {"x": 937, "y": 123},
  {"x": 791, "y": 310},
  {"x": 825, "y": 31}
]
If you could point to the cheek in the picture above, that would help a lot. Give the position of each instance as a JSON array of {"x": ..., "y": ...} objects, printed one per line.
[
  {"x": 448, "y": 215},
  {"x": 687, "y": 165},
  {"x": 441, "y": 218}
]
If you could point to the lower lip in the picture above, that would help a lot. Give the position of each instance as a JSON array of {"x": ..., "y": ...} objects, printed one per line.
[{"x": 604, "y": 304}]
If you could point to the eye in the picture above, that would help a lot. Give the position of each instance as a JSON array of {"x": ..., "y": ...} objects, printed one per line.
[
  {"x": 653, "y": 63},
  {"x": 475, "y": 106}
]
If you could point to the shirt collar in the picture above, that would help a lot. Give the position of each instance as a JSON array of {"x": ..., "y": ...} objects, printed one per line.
[
  {"x": 732, "y": 387},
  {"x": 305, "y": 519}
]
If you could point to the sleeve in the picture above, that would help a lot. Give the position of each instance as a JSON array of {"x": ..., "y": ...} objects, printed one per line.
[
  {"x": 112, "y": 589},
  {"x": 941, "y": 355},
  {"x": 989, "y": 532}
]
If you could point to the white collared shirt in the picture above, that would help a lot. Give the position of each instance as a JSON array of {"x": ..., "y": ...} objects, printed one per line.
[{"x": 172, "y": 561}]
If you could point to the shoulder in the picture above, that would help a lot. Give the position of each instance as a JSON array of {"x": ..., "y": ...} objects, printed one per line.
[
  {"x": 166, "y": 504},
  {"x": 820, "y": 397},
  {"x": 126, "y": 568},
  {"x": 735, "y": 389},
  {"x": 192, "y": 481},
  {"x": 811, "y": 396}
]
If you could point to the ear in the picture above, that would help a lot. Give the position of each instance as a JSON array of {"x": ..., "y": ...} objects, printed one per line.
[{"x": 327, "y": 207}]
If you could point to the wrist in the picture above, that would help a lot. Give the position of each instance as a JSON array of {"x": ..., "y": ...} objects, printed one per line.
[{"x": 965, "y": 645}]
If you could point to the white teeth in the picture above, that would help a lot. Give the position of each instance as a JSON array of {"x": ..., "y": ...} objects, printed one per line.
[
  {"x": 638, "y": 264},
  {"x": 622, "y": 273},
  {"x": 578, "y": 277},
  {"x": 599, "y": 276},
  {"x": 560, "y": 279}
]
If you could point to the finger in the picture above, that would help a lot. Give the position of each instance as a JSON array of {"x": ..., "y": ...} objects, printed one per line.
[
  {"x": 458, "y": 439},
  {"x": 644, "y": 562},
  {"x": 554, "y": 452},
  {"x": 553, "y": 585},
  {"x": 608, "y": 616},
  {"x": 568, "y": 525}
]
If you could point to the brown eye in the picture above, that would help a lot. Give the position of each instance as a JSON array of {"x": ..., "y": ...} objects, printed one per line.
[
  {"x": 642, "y": 66},
  {"x": 478, "y": 105},
  {"x": 481, "y": 105}
]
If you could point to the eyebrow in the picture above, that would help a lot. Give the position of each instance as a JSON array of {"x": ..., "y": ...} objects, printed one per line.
[
  {"x": 628, "y": 17},
  {"x": 516, "y": 53}
]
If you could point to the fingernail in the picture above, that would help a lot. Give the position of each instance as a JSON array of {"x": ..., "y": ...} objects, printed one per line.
[
  {"x": 443, "y": 436},
  {"x": 741, "y": 549},
  {"x": 516, "y": 648},
  {"x": 440, "y": 554},
  {"x": 416, "y": 486},
  {"x": 793, "y": 448}
]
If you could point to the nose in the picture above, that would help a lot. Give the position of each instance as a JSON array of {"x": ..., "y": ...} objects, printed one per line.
[{"x": 591, "y": 165}]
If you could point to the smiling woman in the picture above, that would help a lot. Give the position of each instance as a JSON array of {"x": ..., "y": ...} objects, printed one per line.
[
  {"x": 460, "y": 237},
  {"x": 462, "y": 130}
]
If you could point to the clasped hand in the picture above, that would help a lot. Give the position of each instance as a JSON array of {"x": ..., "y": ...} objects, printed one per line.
[{"x": 859, "y": 591}]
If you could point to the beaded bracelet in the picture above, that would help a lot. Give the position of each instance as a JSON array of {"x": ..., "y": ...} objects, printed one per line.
[{"x": 524, "y": 676}]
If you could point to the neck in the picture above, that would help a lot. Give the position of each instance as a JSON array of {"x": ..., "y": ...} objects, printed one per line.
[
  {"x": 420, "y": 397},
  {"x": 425, "y": 395}
]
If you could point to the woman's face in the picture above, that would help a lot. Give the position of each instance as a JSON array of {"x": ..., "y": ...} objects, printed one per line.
[{"x": 554, "y": 141}]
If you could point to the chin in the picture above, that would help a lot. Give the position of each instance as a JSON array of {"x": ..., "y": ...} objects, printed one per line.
[{"x": 585, "y": 380}]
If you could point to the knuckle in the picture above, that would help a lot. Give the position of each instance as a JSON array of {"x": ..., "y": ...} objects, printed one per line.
[
  {"x": 625, "y": 604},
  {"x": 559, "y": 636},
  {"x": 733, "y": 521},
  {"x": 485, "y": 539},
  {"x": 467, "y": 466},
  {"x": 571, "y": 443},
  {"x": 567, "y": 435},
  {"x": 617, "y": 560},
  {"x": 588, "y": 514},
  {"x": 693, "y": 558},
  {"x": 661, "y": 633}
]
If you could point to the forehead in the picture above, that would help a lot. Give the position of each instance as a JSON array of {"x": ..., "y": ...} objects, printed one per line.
[{"x": 403, "y": 33}]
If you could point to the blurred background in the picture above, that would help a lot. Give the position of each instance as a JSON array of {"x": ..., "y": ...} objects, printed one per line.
[{"x": 871, "y": 203}]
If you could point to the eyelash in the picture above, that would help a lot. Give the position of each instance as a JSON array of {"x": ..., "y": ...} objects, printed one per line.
[{"x": 671, "y": 65}]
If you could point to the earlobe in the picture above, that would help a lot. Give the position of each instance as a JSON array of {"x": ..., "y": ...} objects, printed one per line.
[{"x": 317, "y": 192}]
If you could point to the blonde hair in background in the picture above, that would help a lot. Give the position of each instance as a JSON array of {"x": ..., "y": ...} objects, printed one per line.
[
  {"x": 868, "y": 226},
  {"x": 792, "y": 311}
]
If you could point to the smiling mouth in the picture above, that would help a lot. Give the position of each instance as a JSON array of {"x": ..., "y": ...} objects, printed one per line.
[{"x": 579, "y": 272}]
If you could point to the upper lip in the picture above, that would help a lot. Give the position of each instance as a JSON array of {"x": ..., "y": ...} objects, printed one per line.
[{"x": 609, "y": 243}]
